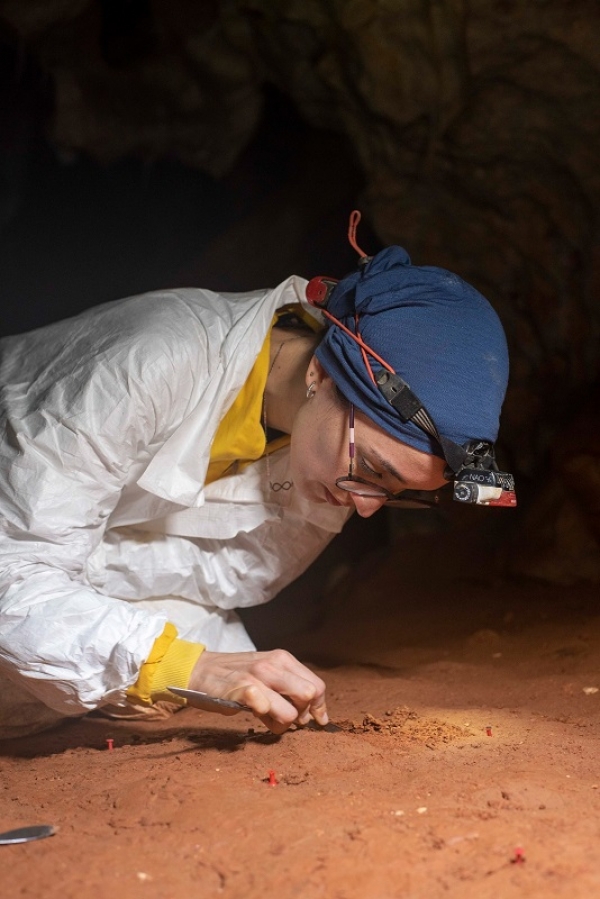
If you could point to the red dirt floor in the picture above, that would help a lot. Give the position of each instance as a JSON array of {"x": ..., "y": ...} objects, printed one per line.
[{"x": 467, "y": 763}]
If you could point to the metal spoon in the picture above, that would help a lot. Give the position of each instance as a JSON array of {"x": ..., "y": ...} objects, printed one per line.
[{"x": 26, "y": 834}]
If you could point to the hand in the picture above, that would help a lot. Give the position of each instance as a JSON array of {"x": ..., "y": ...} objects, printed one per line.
[{"x": 278, "y": 688}]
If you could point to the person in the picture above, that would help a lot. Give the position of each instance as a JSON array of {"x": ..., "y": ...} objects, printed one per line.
[{"x": 142, "y": 503}]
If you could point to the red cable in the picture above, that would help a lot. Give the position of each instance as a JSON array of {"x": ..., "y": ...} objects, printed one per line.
[
  {"x": 363, "y": 353},
  {"x": 364, "y": 346},
  {"x": 355, "y": 217}
]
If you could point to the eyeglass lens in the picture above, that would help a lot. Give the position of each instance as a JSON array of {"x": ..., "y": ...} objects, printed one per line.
[{"x": 352, "y": 484}]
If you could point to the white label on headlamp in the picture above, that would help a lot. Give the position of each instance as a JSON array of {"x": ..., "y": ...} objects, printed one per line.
[{"x": 487, "y": 494}]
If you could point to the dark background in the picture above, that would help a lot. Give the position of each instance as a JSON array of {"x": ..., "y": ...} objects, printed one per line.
[{"x": 77, "y": 232}]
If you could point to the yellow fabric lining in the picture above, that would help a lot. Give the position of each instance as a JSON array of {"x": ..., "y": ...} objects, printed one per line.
[
  {"x": 240, "y": 436},
  {"x": 170, "y": 663}
]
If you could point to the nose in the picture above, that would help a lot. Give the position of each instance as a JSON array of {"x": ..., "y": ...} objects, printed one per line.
[{"x": 367, "y": 505}]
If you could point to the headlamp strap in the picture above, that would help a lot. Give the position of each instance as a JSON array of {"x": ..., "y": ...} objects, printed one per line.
[{"x": 410, "y": 408}]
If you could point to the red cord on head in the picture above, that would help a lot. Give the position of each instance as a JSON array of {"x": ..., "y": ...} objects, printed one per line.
[
  {"x": 358, "y": 339},
  {"x": 363, "y": 352},
  {"x": 355, "y": 217},
  {"x": 317, "y": 294}
]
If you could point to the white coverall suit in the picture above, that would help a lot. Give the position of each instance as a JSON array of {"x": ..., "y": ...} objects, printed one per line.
[{"x": 107, "y": 530}]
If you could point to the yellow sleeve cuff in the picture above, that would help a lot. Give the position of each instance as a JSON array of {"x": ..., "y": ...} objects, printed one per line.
[{"x": 170, "y": 663}]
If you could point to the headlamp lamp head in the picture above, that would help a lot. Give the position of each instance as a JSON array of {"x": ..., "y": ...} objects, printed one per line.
[{"x": 479, "y": 481}]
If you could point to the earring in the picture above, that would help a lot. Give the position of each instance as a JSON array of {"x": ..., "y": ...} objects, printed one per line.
[{"x": 311, "y": 390}]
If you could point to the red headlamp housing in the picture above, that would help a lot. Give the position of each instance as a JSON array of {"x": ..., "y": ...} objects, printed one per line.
[{"x": 318, "y": 291}]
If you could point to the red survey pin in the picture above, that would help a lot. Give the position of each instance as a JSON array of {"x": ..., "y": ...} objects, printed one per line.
[{"x": 518, "y": 858}]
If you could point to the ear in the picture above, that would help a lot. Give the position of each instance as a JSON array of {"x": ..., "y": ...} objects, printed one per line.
[{"x": 315, "y": 373}]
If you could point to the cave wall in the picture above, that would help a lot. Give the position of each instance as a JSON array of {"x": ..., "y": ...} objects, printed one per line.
[{"x": 476, "y": 128}]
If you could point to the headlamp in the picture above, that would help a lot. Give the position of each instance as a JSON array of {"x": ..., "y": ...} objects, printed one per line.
[
  {"x": 480, "y": 482},
  {"x": 471, "y": 468}
]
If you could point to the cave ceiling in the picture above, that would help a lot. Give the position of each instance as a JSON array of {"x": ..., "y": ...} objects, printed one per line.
[{"x": 476, "y": 127}]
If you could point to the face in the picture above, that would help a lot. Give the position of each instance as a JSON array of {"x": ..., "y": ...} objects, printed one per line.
[{"x": 319, "y": 452}]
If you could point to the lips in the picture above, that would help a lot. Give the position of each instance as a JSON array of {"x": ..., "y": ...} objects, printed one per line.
[{"x": 331, "y": 498}]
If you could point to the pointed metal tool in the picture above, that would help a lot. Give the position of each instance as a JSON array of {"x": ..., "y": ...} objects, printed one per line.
[{"x": 208, "y": 703}]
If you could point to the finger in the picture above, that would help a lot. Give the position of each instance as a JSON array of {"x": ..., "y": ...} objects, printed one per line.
[
  {"x": 254, "y": 695},
  {"x": 228, "y": 712},
  {"x": 298, "y": 684},
  {"x": 316, "y": 708},
  {"x": 274, "y": 726},
  {"x": 274, "y": 710},
  {"x": 319, "y": 712},
  {"x": 301, "y": 687}
]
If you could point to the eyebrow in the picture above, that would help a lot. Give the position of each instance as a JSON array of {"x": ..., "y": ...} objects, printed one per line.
[{"x": 387, "y": 466}]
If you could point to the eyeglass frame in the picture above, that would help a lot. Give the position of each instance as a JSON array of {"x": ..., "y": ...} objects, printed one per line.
[{"x": 408, "y": 499}]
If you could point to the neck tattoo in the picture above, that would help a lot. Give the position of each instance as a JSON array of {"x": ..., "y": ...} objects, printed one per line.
[{"x": 275, "y": 486}]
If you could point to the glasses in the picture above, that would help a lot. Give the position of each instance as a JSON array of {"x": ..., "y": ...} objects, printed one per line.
[{"x": 405, "y": 499}]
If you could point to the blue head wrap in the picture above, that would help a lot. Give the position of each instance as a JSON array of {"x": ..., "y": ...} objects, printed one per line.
[{"x": 436, "y": 331}]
